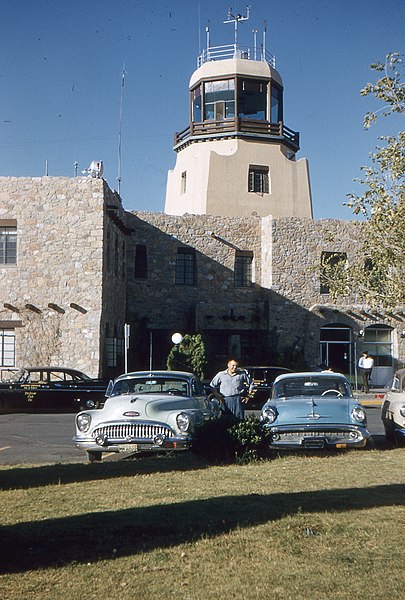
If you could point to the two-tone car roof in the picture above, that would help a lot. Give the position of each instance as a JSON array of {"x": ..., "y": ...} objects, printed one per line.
[
  {"x": 320, "y": 374},
  {"x": 152, "y": 374}
]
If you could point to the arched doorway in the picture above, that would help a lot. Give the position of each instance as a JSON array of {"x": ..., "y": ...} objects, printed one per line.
[{"x": 336, "y": 348}]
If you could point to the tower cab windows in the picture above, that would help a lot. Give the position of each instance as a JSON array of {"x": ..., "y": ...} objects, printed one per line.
[
  {"x": 276, "y": 112},
  {"x": 219, "y": 100},
  {"x": 252, "y": 99}
]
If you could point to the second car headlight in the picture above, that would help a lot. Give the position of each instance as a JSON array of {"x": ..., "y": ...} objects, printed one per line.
[
  {"x": 268, "y": 414},
  {"x": 83, "y": 421},
  {"x": 183, "y": 421},
  {"x": 358, "y": 414},
  {"x": 402, "y": 411}
]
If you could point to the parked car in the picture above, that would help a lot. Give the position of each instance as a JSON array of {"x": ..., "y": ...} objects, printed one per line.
[
  {"x": 146, "y": 412},
  {"x": 314, "y": 410},
  {"x": 393, "y": 408},
  {"x": 263, "y": 378},
  {"x": 50, "y": 389}
]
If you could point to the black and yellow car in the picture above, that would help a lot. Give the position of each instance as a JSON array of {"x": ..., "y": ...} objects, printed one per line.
[{"x": 49, "y": 390}]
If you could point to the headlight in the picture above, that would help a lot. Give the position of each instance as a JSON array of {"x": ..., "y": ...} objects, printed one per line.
[
  {"x": 83, "y": 421},
  {"x": 183, "y": 421},
  {"x": 358, "y": 414},
  {"x": 90, "y": 403},
  {"x": 402, "y": 411},
  {"x": 268, "y": 414}
]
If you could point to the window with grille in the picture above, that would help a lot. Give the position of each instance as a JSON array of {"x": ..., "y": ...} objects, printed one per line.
[
  {"x": 186, "y": 273},
  {"x": 378, "y": 343},
  {"x": 8, "y": 245},
  {"x": 258, "y": 180},
  {"x": 7, "y": 348},
  {"x": 243, "y": 269}
]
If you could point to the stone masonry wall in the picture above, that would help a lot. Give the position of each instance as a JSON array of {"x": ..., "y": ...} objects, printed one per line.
[{"x": 55, "y": 289}]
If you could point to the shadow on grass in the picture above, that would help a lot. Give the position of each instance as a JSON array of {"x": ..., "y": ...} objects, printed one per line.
[
  {"x": 21, "y": 477},
  {"x": 101, "y": 536}
]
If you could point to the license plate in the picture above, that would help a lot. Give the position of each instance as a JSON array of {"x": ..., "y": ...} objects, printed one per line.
[{"x": 127, "y": 447}]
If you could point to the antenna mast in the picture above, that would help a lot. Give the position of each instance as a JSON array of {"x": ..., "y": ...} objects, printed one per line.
[
  {"x": 231, "y": 18},
  {"x": 120, "y": 129}
]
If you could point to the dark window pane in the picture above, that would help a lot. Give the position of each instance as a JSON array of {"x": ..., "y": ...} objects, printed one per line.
[
  {"x": 243, "y": 270},
  {"x": 252, "y": 99},
  {"x": 141, "y": 261},
  {"x": 276, "y": 104},
  {"x": 185, "y": 268}
]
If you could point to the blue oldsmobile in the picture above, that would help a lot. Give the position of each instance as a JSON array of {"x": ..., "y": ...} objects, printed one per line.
[{"x": 314, "y": 410}]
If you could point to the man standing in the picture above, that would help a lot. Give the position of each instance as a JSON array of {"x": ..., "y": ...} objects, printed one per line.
[
  {"x": 366, "y": 364},
  {"x": 234, "y": 384}
]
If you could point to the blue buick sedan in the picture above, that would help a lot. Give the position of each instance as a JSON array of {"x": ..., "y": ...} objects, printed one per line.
[{"x": 314, "y": 411}]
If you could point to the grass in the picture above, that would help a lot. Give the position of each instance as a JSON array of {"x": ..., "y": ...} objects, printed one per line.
[{"x": 298, "y": 526}]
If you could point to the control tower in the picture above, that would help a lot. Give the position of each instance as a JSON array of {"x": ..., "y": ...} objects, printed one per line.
[{"x": 237, "y": 157}]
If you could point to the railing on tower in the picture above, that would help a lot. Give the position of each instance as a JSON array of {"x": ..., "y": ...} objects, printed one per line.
[
  {"x": 236, "y": 51},
  {"x": 238, "y": 126}
]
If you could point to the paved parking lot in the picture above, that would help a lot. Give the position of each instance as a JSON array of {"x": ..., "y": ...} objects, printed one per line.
[{"x": 45, "y": 439}]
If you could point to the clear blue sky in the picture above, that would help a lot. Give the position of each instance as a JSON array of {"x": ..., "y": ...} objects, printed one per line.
[{"x": 60, "y": 77}]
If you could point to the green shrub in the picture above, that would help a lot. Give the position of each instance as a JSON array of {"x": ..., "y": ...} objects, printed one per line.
[
  {"x": 227, "y": 440},
  {"x": 250, "y": 439}
]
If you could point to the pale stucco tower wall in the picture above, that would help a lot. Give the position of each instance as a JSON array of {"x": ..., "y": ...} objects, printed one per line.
[{"x": 237, "y": 157}]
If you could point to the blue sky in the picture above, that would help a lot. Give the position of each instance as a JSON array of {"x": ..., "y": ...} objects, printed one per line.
[{"x": 60, "y": 76}]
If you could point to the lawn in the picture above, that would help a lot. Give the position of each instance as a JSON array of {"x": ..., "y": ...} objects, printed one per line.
[{"x": 298, "y": 526}]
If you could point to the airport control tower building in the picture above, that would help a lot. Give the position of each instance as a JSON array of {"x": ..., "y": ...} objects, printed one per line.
[{"x": 237, "y": 157}]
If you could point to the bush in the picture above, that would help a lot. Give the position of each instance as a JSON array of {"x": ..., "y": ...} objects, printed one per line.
[{"x": 228, "y": 440}]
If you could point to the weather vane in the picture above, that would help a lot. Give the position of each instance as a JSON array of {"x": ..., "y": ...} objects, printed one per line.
[{"x": 231, "y": 18}]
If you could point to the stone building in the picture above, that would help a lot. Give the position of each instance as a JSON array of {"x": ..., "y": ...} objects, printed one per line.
[
  {"x": 235, "y": 256},
  {"x": 62, "y": 272},
  {"x": 75, "y": 267}
]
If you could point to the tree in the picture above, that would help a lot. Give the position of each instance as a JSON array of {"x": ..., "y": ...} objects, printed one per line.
[
  {"x": 189, "y": 356},
  {"x": 379, "y": 279}
]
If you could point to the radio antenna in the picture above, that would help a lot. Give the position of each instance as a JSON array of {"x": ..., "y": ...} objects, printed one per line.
[
  {"x": 120, "y": 129},
  {"x": 231, "y": 18}
]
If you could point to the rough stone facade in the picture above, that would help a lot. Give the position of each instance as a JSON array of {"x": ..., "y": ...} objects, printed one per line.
[
  {"x": 78, "y": 279},
  {"x": 58, "y": 294}
]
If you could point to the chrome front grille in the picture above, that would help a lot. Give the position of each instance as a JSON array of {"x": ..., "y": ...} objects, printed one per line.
[{"x": 133, "y": 431}]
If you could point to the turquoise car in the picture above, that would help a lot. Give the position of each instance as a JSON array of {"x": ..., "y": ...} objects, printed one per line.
[{"x": 314, "y": 411}]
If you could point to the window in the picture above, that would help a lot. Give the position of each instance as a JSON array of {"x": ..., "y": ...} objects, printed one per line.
[
  {"x": 276, "y": 113},
  {"x": 243, "y": 269},
  {"x": 141, "y": 261},
  {"x": 219, "y": 99},
  {"x": 331, "y": 263},
  {"x": 258, "y": 179},
  {"x": 185, "y": 267},
  {"x": 8, "y": 245},
  {"x": 197, "y": 104},
  {"x": 7, "y": 348},
  {"x": 114, "y": 351},
  {"x": 252, "y": 99},
  {"x": 378, "y": 343},
  {"x": 184, "y": 182}
]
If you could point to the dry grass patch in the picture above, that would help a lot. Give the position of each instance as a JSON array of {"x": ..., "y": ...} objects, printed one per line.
[{"x": 295, "y": 527}]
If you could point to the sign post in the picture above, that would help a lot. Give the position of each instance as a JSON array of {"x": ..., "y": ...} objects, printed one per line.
[{"x": 126, "y": 337}]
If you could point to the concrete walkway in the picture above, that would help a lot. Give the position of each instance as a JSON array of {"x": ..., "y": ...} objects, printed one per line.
[{"x": 374, "y": 398}]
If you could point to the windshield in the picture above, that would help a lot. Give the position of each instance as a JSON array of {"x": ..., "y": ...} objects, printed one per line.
[
  {"x": 311, "y": 386},
  {"x": 154, "y": 385}
]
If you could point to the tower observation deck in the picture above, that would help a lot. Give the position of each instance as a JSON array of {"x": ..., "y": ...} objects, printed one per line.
[{"x": 236, "y": 125}]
